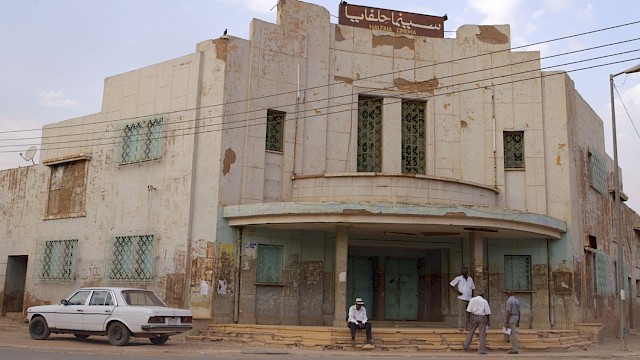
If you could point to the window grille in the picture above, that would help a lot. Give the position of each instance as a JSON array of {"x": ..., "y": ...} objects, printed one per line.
[
  {"x": 603, "y": 274},
  {"x": 141, "y": 141},
  {"x": 131, "y": 258},
  {"x": 597, "y": 172},
  {"x": 413, "y": 137},
  {"x": 58, "y": 260},
  {"x": 269, "y": 269},
  {"x": 514, "y": 150},
  {"x": 275, "y": 130},
  {"x": 517, "y": 272},
  {"x": 369, "y": 135}
]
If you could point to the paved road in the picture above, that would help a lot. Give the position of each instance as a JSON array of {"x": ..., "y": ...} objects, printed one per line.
[{"x": 15, "y": 343}]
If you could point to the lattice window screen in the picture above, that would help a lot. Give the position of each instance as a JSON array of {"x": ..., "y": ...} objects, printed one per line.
[
  {"x": 597, "y": 172},
  {"x": 269, "y": 269},
  {"x": 369, "y": 135},
  {"x": 131, "y": 258},
  {"x": 413, "y": 137},
  {"x": 141, "y": 141},
  {"x": 514, "y": 149},
  {"x": 58, "y": 260},
  {"x": 603, "y": 274},
  {"x": 275, "y": 130}
]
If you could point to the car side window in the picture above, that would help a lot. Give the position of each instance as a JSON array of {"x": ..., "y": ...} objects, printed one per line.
[
  {"x": 79, "y": 298},
  {"x": 98, "y": 298},
  {"x": 109, "y": 300}
]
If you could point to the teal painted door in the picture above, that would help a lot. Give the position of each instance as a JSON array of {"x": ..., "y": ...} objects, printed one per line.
[
  {"x": 401, "y": 289},
  {"x": 360, "y": 283}
]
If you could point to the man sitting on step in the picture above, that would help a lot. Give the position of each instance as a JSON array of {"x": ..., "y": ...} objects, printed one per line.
[{"x": 358, "y": 321}]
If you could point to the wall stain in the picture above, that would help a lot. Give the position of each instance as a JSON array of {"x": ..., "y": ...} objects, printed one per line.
[
  {"x": 339, "y": 36},
  {"x": 222, "y": 48},
  {"x": 229, "y": 158},
  {"x": 490, "y": 35},
  {"x": 398, "y": 42}
]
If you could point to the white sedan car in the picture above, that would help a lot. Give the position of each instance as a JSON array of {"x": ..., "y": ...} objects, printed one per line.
[{"x": 118, "y": 313}]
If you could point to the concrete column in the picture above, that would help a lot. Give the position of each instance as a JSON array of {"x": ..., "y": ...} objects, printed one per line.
[
  {"x": 476, "y": 247},
  {"x": 340, "y": 281}
]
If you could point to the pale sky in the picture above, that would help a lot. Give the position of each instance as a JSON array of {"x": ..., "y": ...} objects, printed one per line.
[{"x": 55, "y": 54}]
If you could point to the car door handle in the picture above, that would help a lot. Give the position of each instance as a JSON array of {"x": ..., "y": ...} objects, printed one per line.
[
  {"x": 108, "y": 311},
  {"x": 79, "y": 310}
]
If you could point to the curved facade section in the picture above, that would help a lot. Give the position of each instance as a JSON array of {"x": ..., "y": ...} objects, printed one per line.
[{"x": 383, "y": 188}]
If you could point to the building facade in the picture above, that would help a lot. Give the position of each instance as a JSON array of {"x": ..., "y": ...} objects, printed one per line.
[{"x": 273, "y": 180}]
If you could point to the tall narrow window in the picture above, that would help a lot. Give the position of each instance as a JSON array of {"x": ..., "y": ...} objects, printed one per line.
[
  {"x": 269, "y": 269},
  {"x": 603, "y": 273},
  {"x": 275, "y": 130},
  {"x": 369, "y": 135},
  {"x": 517, "y": 272},
  {"x": 597, "y": 172},
  {"x": 513, "y": 149},
  {"x": 413, "y": 137},
  {"x": 132, "y": 258}
]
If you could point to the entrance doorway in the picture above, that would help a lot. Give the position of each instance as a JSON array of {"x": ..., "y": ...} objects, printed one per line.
[
  {"x": 401, "y": 289},
  {"x": 13, "y": 300}
]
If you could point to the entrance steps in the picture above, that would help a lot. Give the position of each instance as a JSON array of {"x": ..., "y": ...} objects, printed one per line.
[{"x": 385, "y": 338}]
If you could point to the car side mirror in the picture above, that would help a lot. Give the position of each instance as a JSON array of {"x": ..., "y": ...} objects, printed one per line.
[{"x": 64, "y": 302}]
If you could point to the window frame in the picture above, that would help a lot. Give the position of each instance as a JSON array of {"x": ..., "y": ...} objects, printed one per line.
[
  {"x": 508, "y": 146},
  {"x": 419, "y": 140},
  {"x": 369, "y": 135},
  {"x": 63, "y": 269},
  {"x": 274, "y": 133},
  {"x": 141, "y": 141},
  {"x": 131, "y": 258}
]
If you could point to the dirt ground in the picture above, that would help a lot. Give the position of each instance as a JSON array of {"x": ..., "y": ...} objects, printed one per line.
[{"x": 14, "y": 334}]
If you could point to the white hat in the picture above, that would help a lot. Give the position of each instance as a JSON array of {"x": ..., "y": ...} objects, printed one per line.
[{"x": 359, "y": 301}]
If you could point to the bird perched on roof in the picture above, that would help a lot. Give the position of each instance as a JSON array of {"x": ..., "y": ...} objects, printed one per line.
[{"x": 225, "y": 32}]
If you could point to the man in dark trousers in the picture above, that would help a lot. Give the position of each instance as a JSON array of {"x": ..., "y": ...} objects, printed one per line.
[{"x": 358, "y": 320}]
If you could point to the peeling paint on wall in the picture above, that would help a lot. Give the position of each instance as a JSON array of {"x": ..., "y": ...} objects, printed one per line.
[
  {"x": 229, "y": 158},
  {"x": 343, "y": 79},
  {"x": 225, "y": 266},
  {"x": 398, "y": 42},
  {"x": 416, "y": 86},
  {"x": 222, "y": 48},
  {"x": 490, "y": 35}
]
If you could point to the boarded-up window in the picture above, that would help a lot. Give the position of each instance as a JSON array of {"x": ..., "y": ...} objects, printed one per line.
[
  {"x": 517, "y": 272},
  {"x": 413, "y": 137},
  {"x": 269, "y": 269},
  {"x": 67, "y": 188},
  {"x": 369, "y": 135},
  {"x": 513, "y": 149},
  {"x": 275, "y": 130}
]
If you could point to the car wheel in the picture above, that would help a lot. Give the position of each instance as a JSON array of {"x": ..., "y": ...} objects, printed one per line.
[
  {"x": 81, "y": 336},
  {"x": 118, "y": 334},
  {"x": 39, "y": 329},
  {"x": 160, "y": 340}
]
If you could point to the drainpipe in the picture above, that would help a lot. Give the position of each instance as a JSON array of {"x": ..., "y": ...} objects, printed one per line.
[
  {"x": 236, "y": 294},
  {"x": 552, "y": 317}
]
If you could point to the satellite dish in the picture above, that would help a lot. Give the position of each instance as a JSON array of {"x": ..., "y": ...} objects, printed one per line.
[{"x": 31, "y": 152}]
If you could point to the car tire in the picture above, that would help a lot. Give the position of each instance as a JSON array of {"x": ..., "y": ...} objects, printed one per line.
[
  {"x": 160, "y": 340},
  {"x": 39, "y": 329},
  {"x": 80, "y": 336},
  {"x": 118, "y": 334}
]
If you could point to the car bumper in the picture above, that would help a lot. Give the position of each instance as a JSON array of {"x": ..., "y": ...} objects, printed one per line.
[{"x": 166, "y": 328}]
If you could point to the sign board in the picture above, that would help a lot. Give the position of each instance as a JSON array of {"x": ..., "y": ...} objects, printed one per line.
[{"x": 399, "y": 22}]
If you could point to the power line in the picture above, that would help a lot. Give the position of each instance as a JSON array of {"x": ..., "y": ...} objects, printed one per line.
[
  {"x": 350, "y": 95},
  {"x": 361, "y": 79},
  {"x": 625, "y": 109},
  {"x": 196, "y": 128}
]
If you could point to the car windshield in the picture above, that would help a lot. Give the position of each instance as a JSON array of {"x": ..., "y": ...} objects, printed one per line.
[{"x": 141, "y": 298}]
